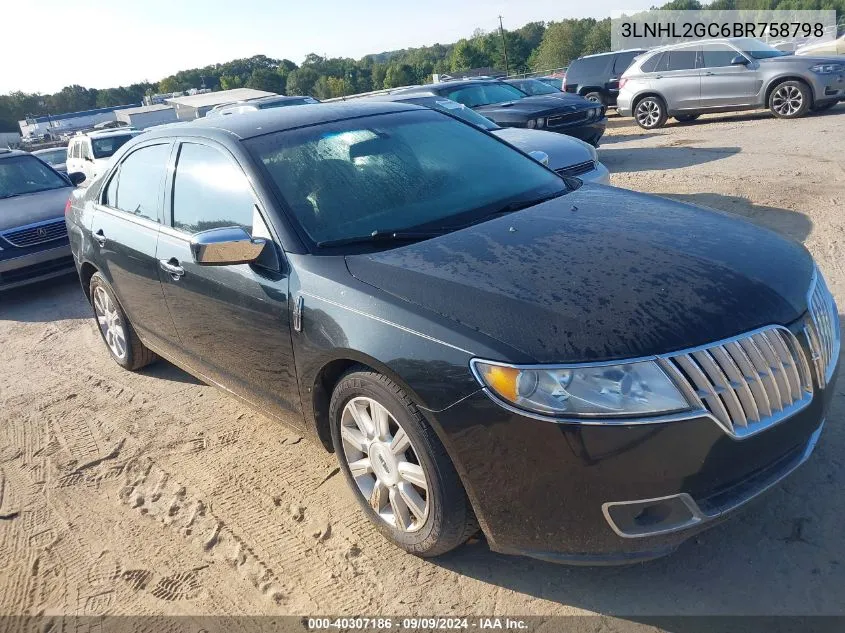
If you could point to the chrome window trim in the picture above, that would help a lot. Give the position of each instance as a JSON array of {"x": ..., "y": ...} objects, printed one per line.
[{"x": 696, "y": 409}]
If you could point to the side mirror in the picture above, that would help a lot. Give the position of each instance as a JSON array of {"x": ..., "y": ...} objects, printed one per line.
[
  {"x": 226, "y": 247},
  {"x": 740, "y": 60},
  {"x": 76, "y": 178},
  {"x": 540, "y": 157}
]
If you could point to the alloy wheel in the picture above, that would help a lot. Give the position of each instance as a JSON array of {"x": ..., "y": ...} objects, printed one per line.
[
  {"x": 384, "y": 464},
  {"x": 648, "y": 113},
  {"x": 787, "y": 100},
  {"x": 110, "y": 323}
]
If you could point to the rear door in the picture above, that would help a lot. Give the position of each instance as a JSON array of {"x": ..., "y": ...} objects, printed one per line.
[
  {"x": 125, "y": 231},
  {"x": 724, "y": 84},
  {"x": 233, "y": 320},
  {"x": 677, "y": 78}
]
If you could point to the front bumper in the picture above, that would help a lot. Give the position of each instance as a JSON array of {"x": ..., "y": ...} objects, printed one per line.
[
  {"x": 589, "y": 132},
  {"x": 828, "y": 87},
  {"x": 558, "y": 491},
  {"x": 35, "y": 266}
]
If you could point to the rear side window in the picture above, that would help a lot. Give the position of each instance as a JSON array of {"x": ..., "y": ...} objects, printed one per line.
[
  {"x": 139, "y": 183},
  {"x": 682, "y": 59},
  {"x": 210, "y": 191},
  {"x": 650, "y": 65},
  {"x": 590, "y": 66},
  {"x": 622, "y": 61},
  {"x": 83, "y": 150}
]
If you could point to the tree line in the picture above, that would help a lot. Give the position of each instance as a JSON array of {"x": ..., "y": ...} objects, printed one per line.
[{"x": 535, "y": 46}]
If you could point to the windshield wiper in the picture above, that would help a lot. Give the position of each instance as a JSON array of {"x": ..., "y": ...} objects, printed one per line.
[
  {"x": 511, "y": 207},
  {"x": 381, "y": 236}
]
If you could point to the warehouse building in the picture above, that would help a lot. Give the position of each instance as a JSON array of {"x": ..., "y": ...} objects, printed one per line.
[
  {"x": 54, "y": 126},
  {"x": 147, "y": 116},
  {"x": 195, "y": 106}
]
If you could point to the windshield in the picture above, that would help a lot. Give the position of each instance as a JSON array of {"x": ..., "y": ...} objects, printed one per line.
[
  {"x": 534, "y": 87},
  {"x": 482, "y": 94},
  {"x": 553, "y": 81},
  {"x": 54, "y": 157},
  {"x": 26, "y": 174},
  {"x": 108, "y": 145},
  {"x": 757, "y": 49},
  {"x": 457, "y": 110},
  {"x": 404, "y": 171}
]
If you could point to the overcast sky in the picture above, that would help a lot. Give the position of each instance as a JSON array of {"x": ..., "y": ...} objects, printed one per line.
[{"x": 49, "y": 44}]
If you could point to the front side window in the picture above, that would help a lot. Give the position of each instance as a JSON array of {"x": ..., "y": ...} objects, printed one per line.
[
  {"x": 20, "y": 175},
  {"x": 139, "y": 183},
  {"x": 210, "y": 191},
  {"x": 718, "y": 55},
  {"x": 682, "y": 59},
  {"x": 416, "y": 170},
  {"x": 108, "y": 145}
]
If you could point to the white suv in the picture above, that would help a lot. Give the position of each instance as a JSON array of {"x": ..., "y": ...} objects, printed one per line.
[{"x": 90, "y": 153}]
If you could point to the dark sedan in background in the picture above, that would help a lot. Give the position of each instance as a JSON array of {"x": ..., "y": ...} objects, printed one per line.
[
  {"x": 509, "y": 106},
  {"x": 33, "y": 236},
  {"x": 591, "y": 375}
]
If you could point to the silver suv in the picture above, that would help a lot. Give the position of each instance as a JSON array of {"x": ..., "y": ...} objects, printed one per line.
[{"x": 690, "y": 79}]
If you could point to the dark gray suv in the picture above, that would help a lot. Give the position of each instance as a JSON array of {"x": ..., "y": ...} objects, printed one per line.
[{"x": 690, "y": 79}]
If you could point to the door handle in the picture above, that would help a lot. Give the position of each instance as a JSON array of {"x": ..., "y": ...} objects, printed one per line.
[
  {"x": 658, "y": 77},
  {"x": 100, "y": 237},
  {"x": 709, "y": 74},
  {"x": 172, "y": 266}
]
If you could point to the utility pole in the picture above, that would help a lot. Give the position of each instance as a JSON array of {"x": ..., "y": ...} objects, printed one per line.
[{"x": 504, "y": 45}]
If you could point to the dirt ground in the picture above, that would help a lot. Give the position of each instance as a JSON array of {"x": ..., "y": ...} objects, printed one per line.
[{"x": 152, "y": 493}]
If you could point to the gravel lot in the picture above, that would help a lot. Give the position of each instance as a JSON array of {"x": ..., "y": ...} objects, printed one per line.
[{"x": 154, "y": 493}]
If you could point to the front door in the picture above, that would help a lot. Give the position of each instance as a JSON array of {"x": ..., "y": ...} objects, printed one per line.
[
  {"x": 678, "y": 80},
  {"x": 233, "y": 321},
  {"x": 125, "y": 230},
  {"x": 724, "y": 84}
]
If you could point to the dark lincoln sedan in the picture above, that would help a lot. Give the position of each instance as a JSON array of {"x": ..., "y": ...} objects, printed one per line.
[
  {"x": 508, "y": 106},
  {"x": 589, "y": 375}
]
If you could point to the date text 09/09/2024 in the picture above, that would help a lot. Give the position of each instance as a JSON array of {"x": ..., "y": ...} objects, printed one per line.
[
  {"x": 726, "y": 29},
  {"x": 417, "y": 623}
]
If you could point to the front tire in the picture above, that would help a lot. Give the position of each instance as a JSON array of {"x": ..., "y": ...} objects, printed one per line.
[
  {"x": 120, "y": 338},
  {"x": 397, "y": 467},
  {"x": 790, "y": 100},
  {"x": 650, "y": 113}
]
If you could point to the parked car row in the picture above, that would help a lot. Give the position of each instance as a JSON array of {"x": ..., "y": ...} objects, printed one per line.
[
  {"x": 575, "y": 369},
  {"x": 687, "y": 80}
]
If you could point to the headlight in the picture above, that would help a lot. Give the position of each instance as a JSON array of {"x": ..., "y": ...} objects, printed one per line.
[
  {"x": 541, "y": 123},
  {"x": 608, "y": 391},
  {"x": 530, "y": 124},
  {"x": 828, "y": 69}
]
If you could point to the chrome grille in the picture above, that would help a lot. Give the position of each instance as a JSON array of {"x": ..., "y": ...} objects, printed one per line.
[
  {"x": 577, "y": 169},
  {"x": 567, "y": 119},
  {"x": 823, "y": 329},
  {"x": 747, "y": 383},
  {"x": 37, "y": 233}
]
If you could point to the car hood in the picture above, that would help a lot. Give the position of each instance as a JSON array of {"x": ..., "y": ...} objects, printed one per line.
[
  {"x": 33, "y": 207},
  {"x": 563, "y": 150},
  {"x": 539, "y": 104},
  {"x": 601, "y": 274}
]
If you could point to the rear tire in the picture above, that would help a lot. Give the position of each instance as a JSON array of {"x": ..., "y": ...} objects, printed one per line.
[
  {"x": 120, "y": 338},
  {"x": 405, "y": 482},
  {"x": 650, "y": 112},
  {"x": 595, "y": 97},
  {"x": 686, "y": 118},
  {"x": 790, "y": 99}
]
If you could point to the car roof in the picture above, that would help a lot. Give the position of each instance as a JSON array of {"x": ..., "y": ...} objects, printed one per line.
[
  {"x": 272, "y": 120},
  {"x": 624, "y": 50},
  {"x": 49, "y": 149},
  {"x": 110, "y": 132}
]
